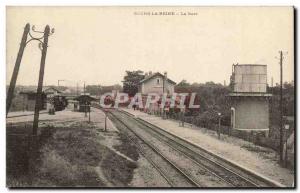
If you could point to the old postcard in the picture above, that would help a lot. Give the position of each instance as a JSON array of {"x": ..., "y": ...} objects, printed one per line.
[{"x": 150, "y": 97}]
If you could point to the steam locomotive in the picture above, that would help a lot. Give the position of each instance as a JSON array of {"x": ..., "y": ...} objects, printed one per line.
[{"x": 59, "y": 102}]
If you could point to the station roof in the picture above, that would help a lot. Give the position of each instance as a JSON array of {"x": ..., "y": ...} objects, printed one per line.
[
  {"x": 51, "y": 90},
  {"x": 46, "y": 90},
  {"x": 154, "y": 75},
  {"x": 84, "y": 98}
]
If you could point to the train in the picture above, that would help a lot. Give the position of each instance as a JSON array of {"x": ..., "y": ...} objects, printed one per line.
[{"x": 59, "y": 102}]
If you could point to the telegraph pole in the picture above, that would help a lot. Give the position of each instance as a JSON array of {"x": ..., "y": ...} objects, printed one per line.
[
  {"x": 14, "y": 77},
  {"x": 219, "y": 128},
  {"x": 281, "y": 113},
  {"x": 272, "y": 101},
  {"x": 43, "y": 45},
  {"x": 40, "y": 83},
  {"x": 85, "y": 110},
  {"x": 58, "y": 82},
  {"x": 164, "y": 83},
  {"x": 105, "y": 122},
  {"x": 164, "y": 91},
  {"x": 84, "y": 88},
  {"x": 77, "y": 88}
]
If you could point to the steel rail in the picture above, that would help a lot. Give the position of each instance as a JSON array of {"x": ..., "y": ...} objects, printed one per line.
[
  {"x": 172, "y": 146},
  {"x": 229, "y": 179},
  {"x": 190, "y": 180},
  {"x": 219, "y": 161},
  {"x": 145, "y": 156}
]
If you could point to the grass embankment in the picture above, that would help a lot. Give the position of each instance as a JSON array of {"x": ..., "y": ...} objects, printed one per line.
[{"x": 74, "y": 157}]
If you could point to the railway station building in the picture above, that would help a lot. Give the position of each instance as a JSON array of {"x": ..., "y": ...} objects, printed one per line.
[{"x": 155, "y": 83}]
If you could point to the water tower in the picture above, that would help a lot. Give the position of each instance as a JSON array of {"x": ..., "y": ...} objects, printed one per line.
[{"x": 249, "y": 97}]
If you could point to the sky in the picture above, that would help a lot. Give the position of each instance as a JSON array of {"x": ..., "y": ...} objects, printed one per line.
[{"x": 97, "y": 45}]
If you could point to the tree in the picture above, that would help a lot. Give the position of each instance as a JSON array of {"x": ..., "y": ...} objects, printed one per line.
[
  {"x": 211, "y": 97},
  {"x": 131, "y": 81},
  {"x": 93, "y": 89},
  {"x": 183, "y": 83},
  {"x": 288, "y": 101},
  {"x": 99, "y": 90}
]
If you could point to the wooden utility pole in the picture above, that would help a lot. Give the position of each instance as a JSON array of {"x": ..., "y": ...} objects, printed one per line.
[
  {"x": 14, "y": 77},
  {"x": 58, "y": 82},
  {"x": 89, "y": 113},
  {"x": 219, "y": 127},
  {"x": 163, "y": 91},
  {"x": 272, "y": 82},
  {"x": 38, "y": 102},
  {"x": 85, "y": 110},
  {"x": 272, "y": 102},
  {"x": 84, "y": 88},
  {"x": 281, "y": 113},
  {"x": 77, "y": 88},
  {"x": 105, "y": 122}
]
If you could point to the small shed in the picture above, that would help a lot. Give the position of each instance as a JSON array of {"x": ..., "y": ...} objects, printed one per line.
[
  {"x": 29, "y": 99},
  {"x": 84, "y": 102}
]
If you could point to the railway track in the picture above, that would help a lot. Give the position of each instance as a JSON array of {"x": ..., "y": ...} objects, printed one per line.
[
  {"x": 232, "y": 173},
  {"x": 174, "y": 176},
  {"x": 190, "y": 163},
  {"x": 200, "y": 174},
  {"x": 223, "y": 170}
]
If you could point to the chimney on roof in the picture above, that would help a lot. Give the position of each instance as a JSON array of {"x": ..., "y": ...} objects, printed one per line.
[
  {"x": 146, "y": 75},
  {"x": 150, "y": 73},
  {"x": 165, "y": 82}
]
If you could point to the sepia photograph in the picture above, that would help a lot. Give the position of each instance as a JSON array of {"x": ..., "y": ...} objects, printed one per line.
[{"x": 193, "y": 97}]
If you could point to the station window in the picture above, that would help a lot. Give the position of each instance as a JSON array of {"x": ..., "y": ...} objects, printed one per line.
[{"x": 157, "y": 81}]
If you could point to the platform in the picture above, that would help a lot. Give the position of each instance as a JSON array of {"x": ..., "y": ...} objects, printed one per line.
[{"x": 257, "y": 159}]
